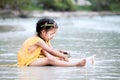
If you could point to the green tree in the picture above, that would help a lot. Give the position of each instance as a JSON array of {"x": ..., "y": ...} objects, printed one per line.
[
  {"x": 14, "y": 4},
  {"x": 114, "y": 5},
  {"x": 105, "y": 5},
  {"x": 57, "y": 5},
  {"x": 69, "y": 5},
  {"x": 99, "y": 5}
]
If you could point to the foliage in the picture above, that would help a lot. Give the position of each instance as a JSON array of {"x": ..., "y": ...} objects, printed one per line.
[
  {"x": 115, "y": 5},
  {"x": 84, "y": 8},
  {"x": 57, "y": 5},
  {"x": 14, "y": 4},
  {"x": 105, "y": 5},
  {"x": 99, "y": 5}
]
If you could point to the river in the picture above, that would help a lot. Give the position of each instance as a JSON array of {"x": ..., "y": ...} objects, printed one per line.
[{"x": 82, "y": 36}]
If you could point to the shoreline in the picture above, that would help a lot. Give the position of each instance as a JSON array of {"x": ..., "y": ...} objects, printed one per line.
[
  {"x": 72, "y": 14},
  {"x": 37, "y": 14}
]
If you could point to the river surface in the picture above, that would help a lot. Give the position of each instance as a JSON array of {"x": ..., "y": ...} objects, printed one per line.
[{"x": 82, "y": 36}]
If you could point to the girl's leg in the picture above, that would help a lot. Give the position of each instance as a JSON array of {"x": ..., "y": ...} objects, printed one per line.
[
  {"x": 58, "y": 62},
  {"x": 40, "y": 62}
]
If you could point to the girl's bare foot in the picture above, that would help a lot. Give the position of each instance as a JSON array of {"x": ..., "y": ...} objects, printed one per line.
[
  {"x": 92, "y": 59},
  {"x": 81, "y": 63}
]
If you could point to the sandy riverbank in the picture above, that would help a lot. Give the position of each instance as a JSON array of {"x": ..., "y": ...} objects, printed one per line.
[
  {"x": 69, "y": 14},
  {"x": 36, "y": 14}
]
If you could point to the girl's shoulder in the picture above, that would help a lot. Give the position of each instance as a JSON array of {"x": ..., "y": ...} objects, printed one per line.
[{"x": 33, "y": 39}]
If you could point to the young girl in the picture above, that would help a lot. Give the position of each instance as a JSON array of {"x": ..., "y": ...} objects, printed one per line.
[{"x": 37, "y": 50}]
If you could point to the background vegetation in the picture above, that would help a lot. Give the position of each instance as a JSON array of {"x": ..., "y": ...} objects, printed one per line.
[
  {"x": 105, "y": 5},
  {"x": 59, "y": 5}
]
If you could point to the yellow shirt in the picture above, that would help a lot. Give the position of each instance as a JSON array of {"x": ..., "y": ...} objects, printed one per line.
[{"x": 24, "y": 56}]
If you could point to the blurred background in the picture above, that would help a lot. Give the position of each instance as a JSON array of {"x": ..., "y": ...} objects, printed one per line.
[
  {"x": 29, "y": 8},
  {"x": 86, "y": 27}
]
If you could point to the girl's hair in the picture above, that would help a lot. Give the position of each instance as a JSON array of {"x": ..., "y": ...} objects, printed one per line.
[{"x": 45, "y": 24}]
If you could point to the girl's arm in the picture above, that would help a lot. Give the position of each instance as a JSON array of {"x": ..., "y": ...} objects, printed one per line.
[
  {"x": 65, "y": 52},
  {"x": 50, "y": 50},
  {"x": 32, "y": 48},
  {"x": 47, "y": 54}
]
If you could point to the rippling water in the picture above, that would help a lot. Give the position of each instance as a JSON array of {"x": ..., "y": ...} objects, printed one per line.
[{"x": 82, "y": 36}]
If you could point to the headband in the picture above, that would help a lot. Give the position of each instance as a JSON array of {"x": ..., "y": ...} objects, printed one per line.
[{"x": 47, "y": 25}]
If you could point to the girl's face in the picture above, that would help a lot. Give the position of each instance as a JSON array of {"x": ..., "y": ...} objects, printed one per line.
[{"x": 49, "y": 34}]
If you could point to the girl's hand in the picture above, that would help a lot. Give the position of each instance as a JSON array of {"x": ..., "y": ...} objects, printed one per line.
[
  {"x": 66, "y": 58},
  {"x": 65, "y": 52},
  {"x": 32, "y": 48}
]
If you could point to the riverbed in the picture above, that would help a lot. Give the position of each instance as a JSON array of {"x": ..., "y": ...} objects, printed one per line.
[{"x": 81, "y": 36}]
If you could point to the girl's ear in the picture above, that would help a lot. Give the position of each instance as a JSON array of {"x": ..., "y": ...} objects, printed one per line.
[{"x": 43, "y": 32}]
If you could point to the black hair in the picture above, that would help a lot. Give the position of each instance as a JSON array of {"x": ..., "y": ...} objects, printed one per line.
[{"x": 45, "y": 24}]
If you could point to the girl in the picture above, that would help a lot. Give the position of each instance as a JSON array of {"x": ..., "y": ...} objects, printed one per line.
[{"x": 37, "y": 50}]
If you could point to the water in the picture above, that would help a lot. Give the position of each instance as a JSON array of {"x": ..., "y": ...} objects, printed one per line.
[{"x": 82, "y": 36}]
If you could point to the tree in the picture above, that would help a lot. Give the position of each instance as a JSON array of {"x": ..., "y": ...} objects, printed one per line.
[
  {"x": 57, "y": 5},
  {"x": 14, "y": 4},
  {"x": 99, "y": 5},
  {"x": 105, "y": 5}
]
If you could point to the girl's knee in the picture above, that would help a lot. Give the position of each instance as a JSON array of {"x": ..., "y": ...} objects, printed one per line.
[{"x": 51, "y": 60}]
